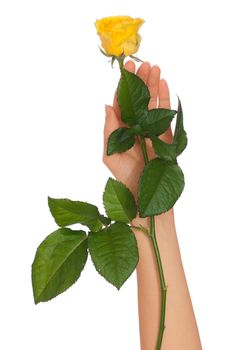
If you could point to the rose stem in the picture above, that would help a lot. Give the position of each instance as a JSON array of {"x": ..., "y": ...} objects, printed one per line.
[{"x": 159, "y": 263}]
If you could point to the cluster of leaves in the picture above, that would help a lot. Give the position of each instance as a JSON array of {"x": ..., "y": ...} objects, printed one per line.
[
  {"x": 162, "y": 180},
  {"x": 61, "y": 257}
]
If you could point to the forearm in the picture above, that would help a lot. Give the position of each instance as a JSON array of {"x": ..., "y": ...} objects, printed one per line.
[{"x": 181, "y": 331}]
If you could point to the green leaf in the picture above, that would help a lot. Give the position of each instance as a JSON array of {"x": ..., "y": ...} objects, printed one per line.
[
  {"x": 157, "y": 121},
  {"x": 120, "y": 141},
  {"x": 180, "y": 136},
  {"x": 114, "y": 252},
  {"x": 160, "y": 185},
  {"x": 58, "y": 263},
  {"x": 133, "y": 97},
  {"x": 164, "y": 150},
  {"x": 119, "y": 202},
  {"x": 67, "y": 212},
  {"x": 136, "y": 130}
]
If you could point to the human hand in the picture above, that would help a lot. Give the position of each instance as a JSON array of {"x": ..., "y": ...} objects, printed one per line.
[{"x": 127, "y": 166}]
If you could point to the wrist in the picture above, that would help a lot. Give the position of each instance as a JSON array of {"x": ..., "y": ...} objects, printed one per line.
[
  {"x": 163, "y": 222},
  {"x": 140, "y": 221}
]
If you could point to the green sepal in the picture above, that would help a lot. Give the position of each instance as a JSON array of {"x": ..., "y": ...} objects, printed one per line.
[
  {"x": 160, "y": 185},
  {"x": 119, "y": 202},
  {"x": 112, "y": 61},
  {"x": 67, "y": 212},
  {"x": 58, "y": 263},
  {"x": 136, "y": 58},
  {"x": 114, "y": 252},
  {"x": 104, "y": 53}
]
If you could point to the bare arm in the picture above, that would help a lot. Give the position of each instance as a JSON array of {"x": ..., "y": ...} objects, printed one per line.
[{"x": 181, "y": 331}]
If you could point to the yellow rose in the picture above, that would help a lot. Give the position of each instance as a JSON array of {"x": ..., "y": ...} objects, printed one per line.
[{"x": 119, "y": 34}]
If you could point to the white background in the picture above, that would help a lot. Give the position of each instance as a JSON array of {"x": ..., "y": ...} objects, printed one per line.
[{"x": 53, "y": 86}]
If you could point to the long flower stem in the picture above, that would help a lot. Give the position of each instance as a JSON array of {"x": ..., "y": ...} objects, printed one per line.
[
  {"x": 163, "y": 286},
  {"x": 120, "y": 61},
  {"x": 162, "y": 283},
  {"x": 144, "y": 150}
]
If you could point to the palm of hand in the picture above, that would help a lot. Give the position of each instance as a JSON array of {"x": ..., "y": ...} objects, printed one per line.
[{"x": 127, "y": 166}]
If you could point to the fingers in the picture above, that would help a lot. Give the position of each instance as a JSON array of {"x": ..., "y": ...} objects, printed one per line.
[
  {"x": 111, "y": 123},
  {"x": 164, "y": 97},
  {"x": 164, "y": 102},
  {"x": 143, "y": 71},
  {"x": 130, "y": 66},
  {"x": 153, "y": 86}
]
